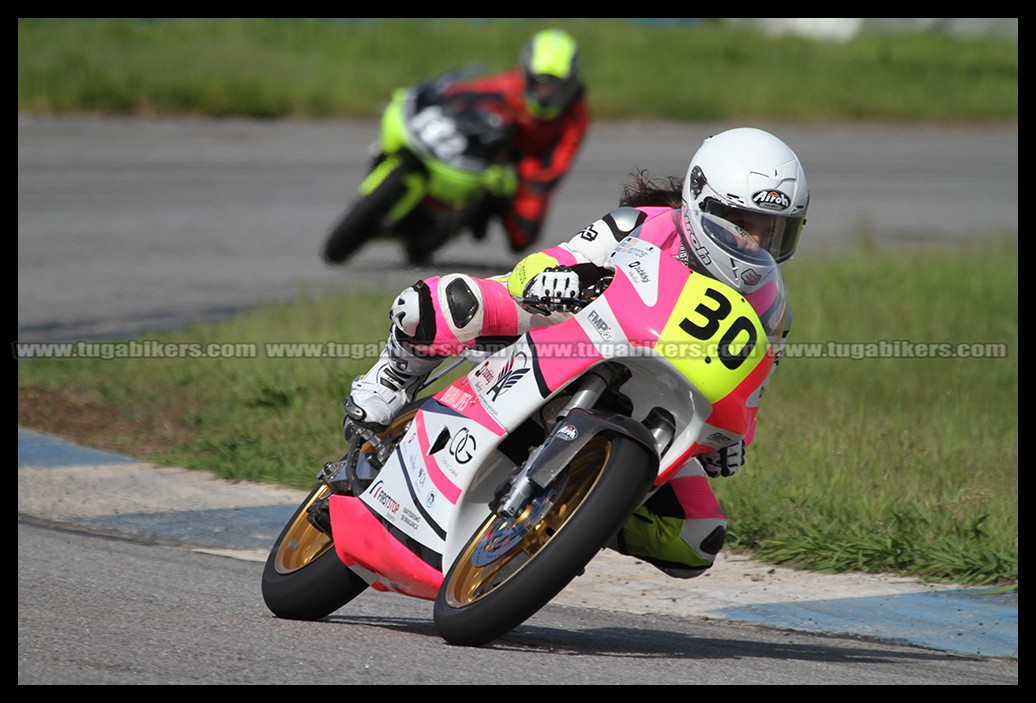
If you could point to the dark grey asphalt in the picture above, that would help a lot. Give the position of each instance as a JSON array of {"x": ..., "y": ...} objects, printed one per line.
[{"x": 134, "y": 225}]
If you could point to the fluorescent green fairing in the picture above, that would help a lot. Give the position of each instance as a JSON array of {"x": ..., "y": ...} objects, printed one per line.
[
  {"x": 453, "y": 186},
  {"x": 393, "y": 123}
]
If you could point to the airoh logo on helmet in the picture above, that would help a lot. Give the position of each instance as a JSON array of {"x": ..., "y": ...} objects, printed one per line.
[{"x": 771, "y": 200}]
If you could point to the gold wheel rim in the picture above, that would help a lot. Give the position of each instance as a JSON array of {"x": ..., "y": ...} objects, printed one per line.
[
  {"x": 471, "y": 582},
  {"x": 303, "y": 543}
]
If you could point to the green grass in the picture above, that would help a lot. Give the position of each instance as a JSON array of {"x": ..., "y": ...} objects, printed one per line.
[
  {"x": 320, "y": 68},
  {"x": 867, "y": 457},
  {"x": 890, "y": 461}
]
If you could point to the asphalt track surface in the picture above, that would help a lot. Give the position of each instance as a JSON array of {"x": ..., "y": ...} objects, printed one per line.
[
  {"x": 126, "y": 226},
  {"x": 194, "y": 509},
  {"x": 131, "y": 226}
]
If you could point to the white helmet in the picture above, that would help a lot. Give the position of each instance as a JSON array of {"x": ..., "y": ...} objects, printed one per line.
[{"x": 753, "y": 179}]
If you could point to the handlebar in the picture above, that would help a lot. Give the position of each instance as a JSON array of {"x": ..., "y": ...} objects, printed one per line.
[{"x": 547, "y": 305}]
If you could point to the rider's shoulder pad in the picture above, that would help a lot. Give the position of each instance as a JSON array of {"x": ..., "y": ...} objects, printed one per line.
[{"x": 624, "y": 220}]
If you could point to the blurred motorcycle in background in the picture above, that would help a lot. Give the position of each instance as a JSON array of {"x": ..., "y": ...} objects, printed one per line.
[{"x": 437, "y": 162}]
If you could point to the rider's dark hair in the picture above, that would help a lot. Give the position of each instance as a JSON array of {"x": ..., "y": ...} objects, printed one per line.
[{"x": 644, "y": 191}]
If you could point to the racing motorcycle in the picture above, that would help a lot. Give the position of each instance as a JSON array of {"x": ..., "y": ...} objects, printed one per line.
[
  {"x": 438, "y": 160},
  {"x": 489, "y": 496}
]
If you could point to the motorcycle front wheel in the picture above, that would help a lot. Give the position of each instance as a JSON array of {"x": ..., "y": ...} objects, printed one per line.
[
  {"x": 362, "y": 221},
  {"x": 510, "y": 569}
]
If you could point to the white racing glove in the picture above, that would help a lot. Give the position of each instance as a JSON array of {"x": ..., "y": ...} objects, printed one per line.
[
  {"x": 554, "y": 286},
  {"x": 725, "y": 461}
]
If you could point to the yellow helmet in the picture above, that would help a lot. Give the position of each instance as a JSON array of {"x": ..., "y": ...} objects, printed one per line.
[{"x": 550, "y": 61}]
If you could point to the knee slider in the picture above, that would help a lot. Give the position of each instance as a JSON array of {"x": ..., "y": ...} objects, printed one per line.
[{"x": 714, "y": 542}]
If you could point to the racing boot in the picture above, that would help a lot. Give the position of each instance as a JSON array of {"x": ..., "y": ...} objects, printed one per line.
[
  {"x": 660, "y": 533},
  {"x": 391, "y": 383}
]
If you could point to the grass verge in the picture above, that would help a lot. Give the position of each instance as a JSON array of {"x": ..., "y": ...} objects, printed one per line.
[{"x": 888, "y": 441}]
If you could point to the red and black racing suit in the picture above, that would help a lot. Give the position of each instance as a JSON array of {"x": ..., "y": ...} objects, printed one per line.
[{"x": 545, "y": 150}]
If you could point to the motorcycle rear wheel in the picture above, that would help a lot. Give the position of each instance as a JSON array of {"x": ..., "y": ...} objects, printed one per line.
[
  {"x": 303, "y": 578},
  {"x": 485, "y": 596},
  {"x": 362, "y": 221}
]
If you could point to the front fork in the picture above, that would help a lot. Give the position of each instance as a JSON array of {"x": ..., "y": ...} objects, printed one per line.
[
  {"x": 415, "y": 178},
  {"x": 522, "y": 487}
]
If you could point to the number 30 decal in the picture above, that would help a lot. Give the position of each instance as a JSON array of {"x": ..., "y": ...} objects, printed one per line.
[{"x": 713, "y": 319}]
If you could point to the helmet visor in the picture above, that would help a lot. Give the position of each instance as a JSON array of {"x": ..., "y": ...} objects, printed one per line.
[
  {"x": 548, "y": 93},
  {"x": 778, "y": 234},
  {"x": 733, "y": 256},
  {"x": 735, "y": 241}
]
